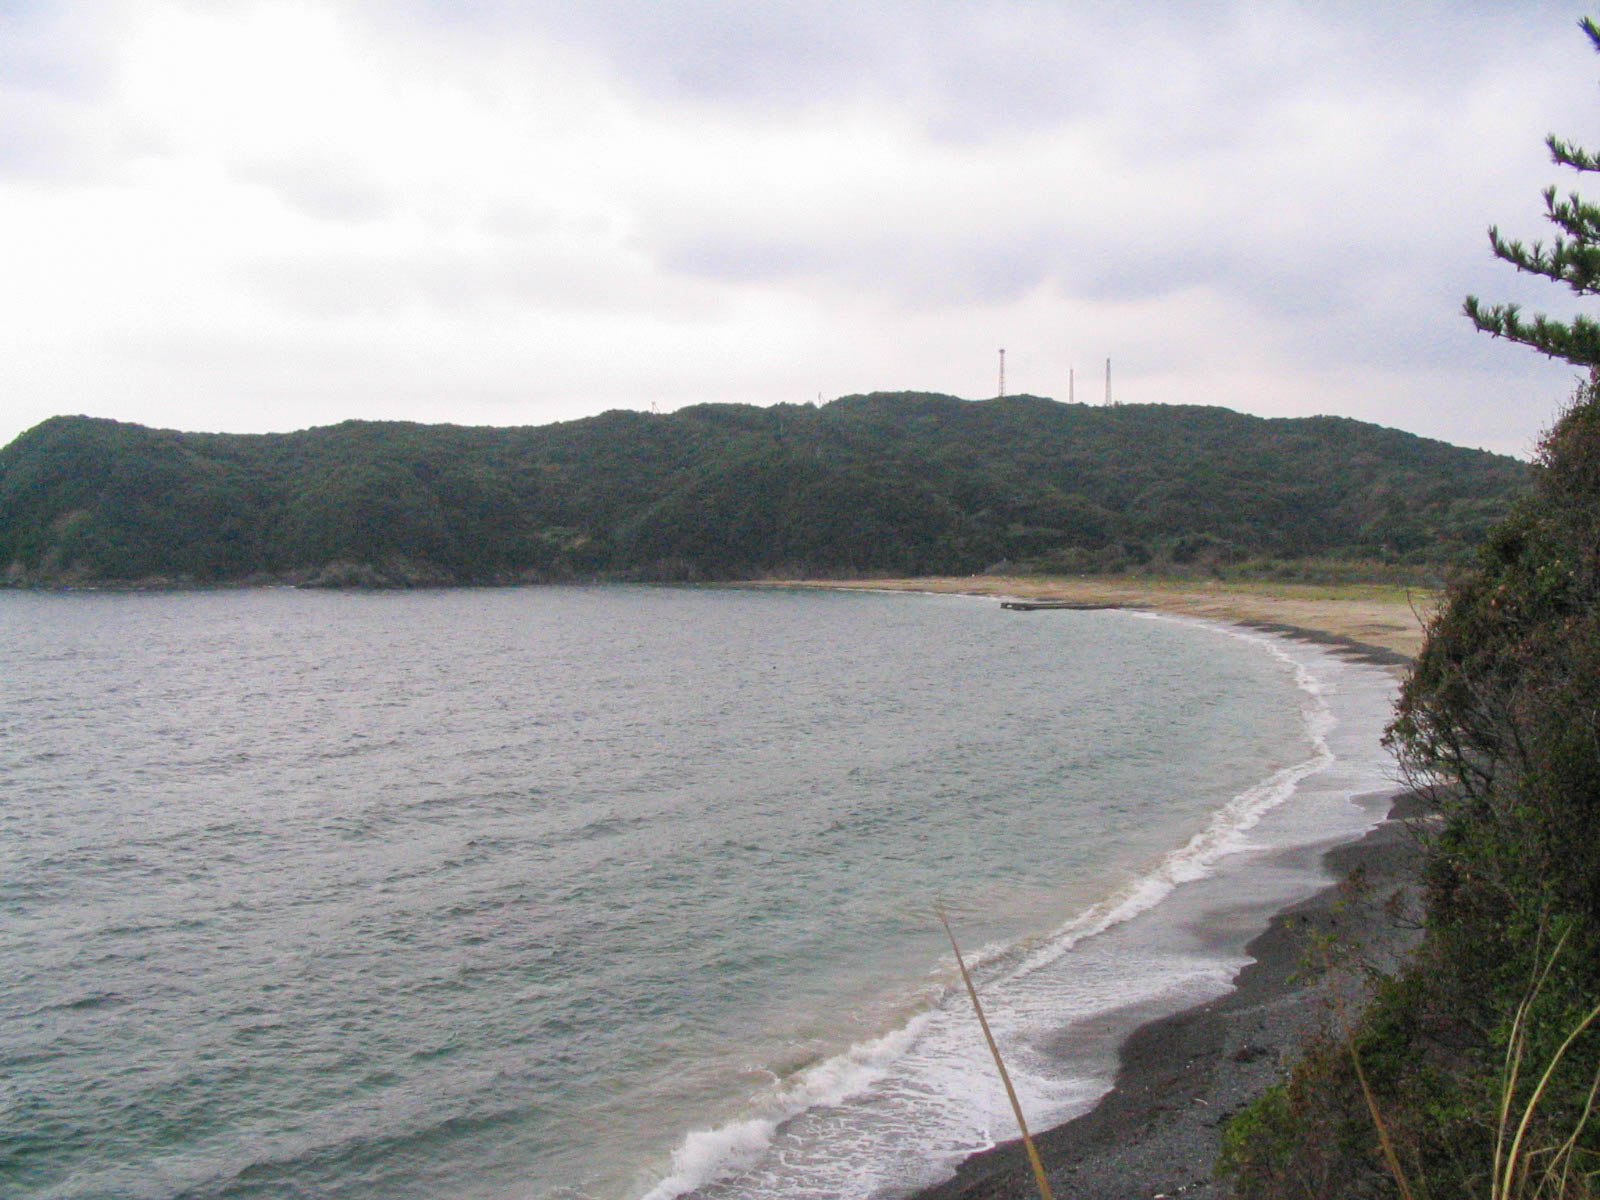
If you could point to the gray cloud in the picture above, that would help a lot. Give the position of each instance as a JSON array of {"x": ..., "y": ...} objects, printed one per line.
[
  {"x": 321, "y": 187},
  {"x": 54, "y": 74},
  {"x": 44, "y": 50},
  {"x": 795, "y": 193}
]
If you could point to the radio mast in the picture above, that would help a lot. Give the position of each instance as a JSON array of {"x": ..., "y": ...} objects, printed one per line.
[{"x": 1002, "y": 372}]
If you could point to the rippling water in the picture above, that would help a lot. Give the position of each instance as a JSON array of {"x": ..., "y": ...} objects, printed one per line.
[{"x": 607, "y": 892}]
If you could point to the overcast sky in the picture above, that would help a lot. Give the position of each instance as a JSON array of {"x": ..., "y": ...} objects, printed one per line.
[{"x": 235, "y": 216}]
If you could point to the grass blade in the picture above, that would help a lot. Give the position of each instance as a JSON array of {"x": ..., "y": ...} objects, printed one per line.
[{"x": 1005, "y": 1078}]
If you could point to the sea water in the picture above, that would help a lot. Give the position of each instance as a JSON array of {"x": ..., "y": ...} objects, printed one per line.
[{"x": 615, "y": 892}]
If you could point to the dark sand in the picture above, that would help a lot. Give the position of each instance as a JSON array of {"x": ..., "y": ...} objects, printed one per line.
[
  {"x": 1159, "y": 1131},
  {"x": 1338, "y": 643}
]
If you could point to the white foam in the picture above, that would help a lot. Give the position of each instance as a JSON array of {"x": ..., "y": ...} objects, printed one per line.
[
  {"x": 706, "y": 1154},
  {"x": 930, "y": 1082},
  {"x": 1224, "y": 835}
]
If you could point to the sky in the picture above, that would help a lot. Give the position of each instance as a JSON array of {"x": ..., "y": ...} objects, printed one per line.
[{"x": 252, "y": 217}]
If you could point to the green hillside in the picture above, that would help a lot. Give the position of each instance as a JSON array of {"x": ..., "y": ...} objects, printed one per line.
[{"x": 902, "y": 483}]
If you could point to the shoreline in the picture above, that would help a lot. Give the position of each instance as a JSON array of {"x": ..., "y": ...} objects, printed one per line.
[
  {"x": 1381, "y": 622},
  {"x": 1373, "y": 619},
  {"x": 1158, "y": 1131}
]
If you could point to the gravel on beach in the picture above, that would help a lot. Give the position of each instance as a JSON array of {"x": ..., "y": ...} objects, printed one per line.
[{"x": 1158, "y": 1132}]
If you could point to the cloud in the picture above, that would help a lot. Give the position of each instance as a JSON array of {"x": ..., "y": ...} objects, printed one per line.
[
  {"x": 321, "y": 187},
  {"x": 601, "y": 202},
  {"x": 56, "y": 78}
]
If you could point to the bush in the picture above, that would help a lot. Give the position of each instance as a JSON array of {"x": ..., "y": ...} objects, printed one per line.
[{"x": 1501, "y": 717}]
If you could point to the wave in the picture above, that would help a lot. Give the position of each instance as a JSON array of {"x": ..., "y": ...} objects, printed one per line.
[
  {"x": 1222, "y": 837},
  {"x": 708, "y": 1153},
  {"x": 706, "y": 1157}
]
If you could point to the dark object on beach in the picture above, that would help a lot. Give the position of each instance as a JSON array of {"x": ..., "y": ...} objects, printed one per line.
[{"x": 1034, "y": 605}]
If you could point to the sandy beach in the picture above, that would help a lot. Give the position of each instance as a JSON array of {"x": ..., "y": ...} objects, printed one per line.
[
  {"x": 1380, "y": 618},
  {"x": 1158, "y": 1132}
]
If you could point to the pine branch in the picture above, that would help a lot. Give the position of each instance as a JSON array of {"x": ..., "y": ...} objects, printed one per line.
[
  {"x": 1570, "y": 261},
  {"x": 1577, "y": 342},
  {"x": 1574, "y": 215},
  {"x": 1566, "y": 154}
]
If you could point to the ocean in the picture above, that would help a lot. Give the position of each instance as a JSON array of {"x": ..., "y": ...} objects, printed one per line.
[{"x": 619, "y": 893}]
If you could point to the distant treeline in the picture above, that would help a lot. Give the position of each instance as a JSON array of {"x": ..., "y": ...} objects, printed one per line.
[{"x": 898, "y": 483}]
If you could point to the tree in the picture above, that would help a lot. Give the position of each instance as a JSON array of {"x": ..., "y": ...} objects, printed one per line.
[{"x": 1573, "y": 258}]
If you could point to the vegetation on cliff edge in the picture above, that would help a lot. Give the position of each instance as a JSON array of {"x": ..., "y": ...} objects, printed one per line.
[
  {"x": 1476, "y": 1069},
  {"x": 1500, "y": 720}
]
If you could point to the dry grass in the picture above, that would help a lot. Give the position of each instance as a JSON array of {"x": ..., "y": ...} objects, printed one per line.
[
  {"x": 1005, "y": 1076},
  {"x": 1522, "y": 1170}
]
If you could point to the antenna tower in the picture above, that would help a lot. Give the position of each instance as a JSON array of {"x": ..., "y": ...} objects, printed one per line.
[
  {"x": 1108, "y": 381},
  {"x": 1070, "y": 387},
  {"x": 1002, "y": 372}
]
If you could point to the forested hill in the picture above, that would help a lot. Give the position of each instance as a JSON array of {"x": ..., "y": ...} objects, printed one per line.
[{"x": 902, "y": 483}]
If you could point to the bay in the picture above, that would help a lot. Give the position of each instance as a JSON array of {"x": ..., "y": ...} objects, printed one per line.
[{"x": 608, "y": 891}]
